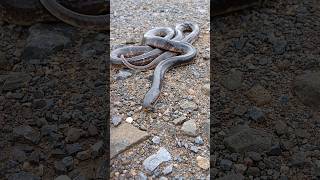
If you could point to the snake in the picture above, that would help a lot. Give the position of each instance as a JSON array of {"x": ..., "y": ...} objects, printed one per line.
[
  {"x": 164, "y": 48},
  {"x": 88, "y": 14}
]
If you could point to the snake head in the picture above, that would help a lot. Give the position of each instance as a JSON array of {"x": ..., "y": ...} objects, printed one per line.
[{"x": 150, "y": 99}]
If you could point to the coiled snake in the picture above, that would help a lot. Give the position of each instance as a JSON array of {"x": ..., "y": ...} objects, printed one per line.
[{"x": 164, "y": 48}]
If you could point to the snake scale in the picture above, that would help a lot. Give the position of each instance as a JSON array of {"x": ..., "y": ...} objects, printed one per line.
[{"x": 163, "y": 49}]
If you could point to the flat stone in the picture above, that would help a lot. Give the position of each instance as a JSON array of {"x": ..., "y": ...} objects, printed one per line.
[
  {"x": 73, "y": 148},
  {"x": 233, "y": 80},
  {"x": 307, "y": 89},
  {"x": 189, "y": 128},
  {"x": 83, "y": 155},
  {"x": 198, "y": 140},
  {"x": 203, "y": 163},
  {"x": 248, "y": 139},
  {"x": 153, "y": 161},
  {"x": 123, "y": 137},
  {"x": 259, "y": 95},
  {"x": 256, "y": 114}
]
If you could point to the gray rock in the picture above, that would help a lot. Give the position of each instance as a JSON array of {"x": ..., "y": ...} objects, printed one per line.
[
  {"x": 259, "y": 95},
  {"x": 225, "y": 164},
  {"x": 253, "y": 171},
  {"x": 194, "y": 149},
  {"x": 307, "y": 89},
  {"x": 59, "y": 167},
  {"x": 45, "y": 40},
  {"x": 142, "y": 176},
  {"x": 26, "y": 133},
  {"x": 73, "y": 148},
  {"x": 92, "y": 130},
  {"x": 68, "y": 162},
  {"x": 83, "y": 155},
  {"x": 246, "y": 139},
  {"x": 5, "y": 63},
  {"x": 254, "y": 156},
  {"x": 34, "y": 157},
  {"x": 189, "y": 128},
  {"x": 102, "y": 170},
  {"x": 188, "y": 105},
  {"x": 23, "y": 176},
  {"x": 298, "y": 159},
  {"x": 281, "y": 127},
  {"x": 97, "y": 149},
  {"x": 73, "y": 134},
  {"x": 123, "y": 74},
  {"x": 256, "y": 114},
  {"x": 153, "y": 161},
  {"x": 167, "y": 170},
  {"x": 62, "y": 177},
  {"x": 198, "y": 140},
  {"x": 275, "y": 150},
  {"x": 156, "y": 140},
  {"x": 179, "y": 120},
  {"x": 18, "y": 155},
  {"x": 48, "y": 129},
  {"x": 116, "y": 120},
  {"x": 233, "y": 80}
]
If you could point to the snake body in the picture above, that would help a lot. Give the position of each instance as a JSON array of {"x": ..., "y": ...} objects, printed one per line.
[{"x": 170, "y": 51}]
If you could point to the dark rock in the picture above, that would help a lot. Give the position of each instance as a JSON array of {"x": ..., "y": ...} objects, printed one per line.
[
  {"x": 18, "y": 155},
  {"x": 97, "y": 149},
  {"x": 298, "y": 159},
  {"x": 233, "y": 80},
  {"x": 246, "y": 139},
  {"x": 26, "y": 133},
  {"x": 307, "y": 89},
  {"x": 73, "y": 134},
  {"x": 92, "y": 48},
  {"x": 83, "y": 155},
  {"x": 102, "y": 170},
  {"x": 23, "y": 176},
  {"x": 225, "y": 164},
  {"x": 254, "y": 156},
  {"x": 34, "y": 157},
  {"x": 68, "y": 162},
  {"x": 93, "y": 130},
  {"x": 256, "y": 114},
  {"x": 253, "y": 171},
  {"x": 14, "y": 81},
  {"x": 59, "y": 167},
  {"x": 73, "y": 148},
  {"x": 45, "y": 40},
  {"x": 275, "y": 150}
]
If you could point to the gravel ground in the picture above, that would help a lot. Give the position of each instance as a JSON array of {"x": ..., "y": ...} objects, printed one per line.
[
  {"x": 185, "y": 94},
  {"x": 265, "y": 84},
  {"x": 52, "y": 102}
]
